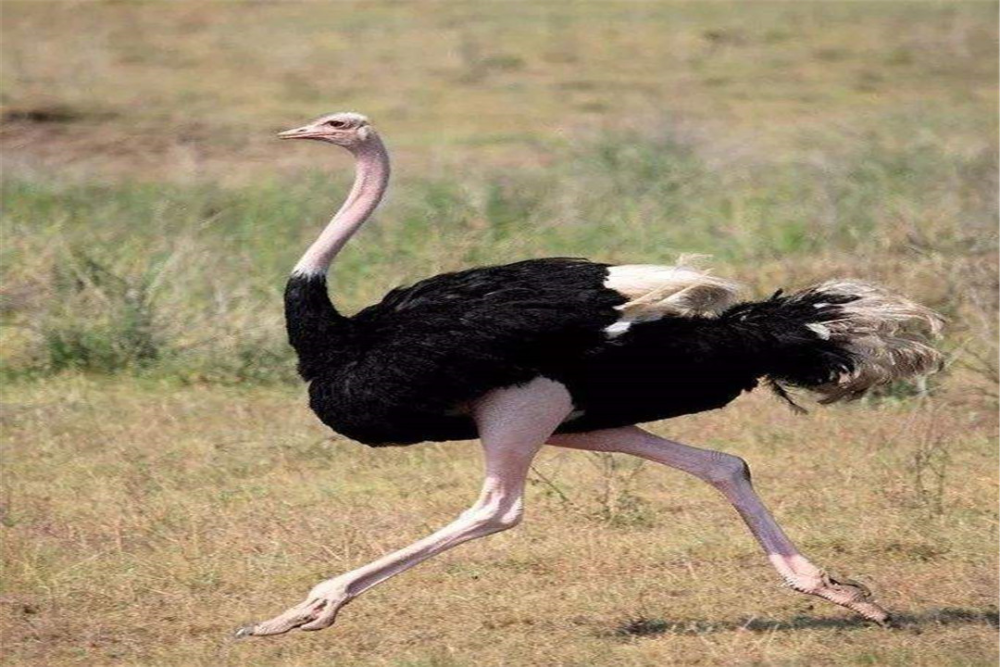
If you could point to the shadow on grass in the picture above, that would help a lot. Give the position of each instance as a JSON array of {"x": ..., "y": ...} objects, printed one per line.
[{"x": 651, "y": 627}]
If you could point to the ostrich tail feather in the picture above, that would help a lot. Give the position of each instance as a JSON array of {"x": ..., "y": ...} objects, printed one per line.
[
  {"x": 887, "y": 336},
  {"x": 842, "y": 338}
]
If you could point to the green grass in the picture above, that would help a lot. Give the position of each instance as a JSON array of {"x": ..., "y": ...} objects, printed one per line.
[
  {"x": 132, "y": 276},
  {"x": 163, "y": 480}
]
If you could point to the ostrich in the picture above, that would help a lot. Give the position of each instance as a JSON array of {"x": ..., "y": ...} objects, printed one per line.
[{"x": 575, "y": 354}]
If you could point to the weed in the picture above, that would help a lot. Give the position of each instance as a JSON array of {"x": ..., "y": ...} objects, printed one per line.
[
  {"x": 617, "y": 502},
  {"x": 98, "y": 320},
  {"x": 930, "y": 465}
]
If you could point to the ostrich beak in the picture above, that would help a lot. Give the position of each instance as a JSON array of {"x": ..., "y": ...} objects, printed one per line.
[{"x": 304, "y": 132}]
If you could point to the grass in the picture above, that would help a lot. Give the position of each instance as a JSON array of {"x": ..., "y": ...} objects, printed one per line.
[
  {"x": 143, "y": 524},
  {"x": 163, "y": 480},
  {"x": 95, "y": 292}
]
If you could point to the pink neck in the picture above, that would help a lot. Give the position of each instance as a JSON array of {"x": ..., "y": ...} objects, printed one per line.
[{"x": 370, "y": 182}]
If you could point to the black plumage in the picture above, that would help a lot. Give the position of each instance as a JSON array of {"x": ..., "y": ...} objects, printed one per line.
[{"x": 407, "y": 369}]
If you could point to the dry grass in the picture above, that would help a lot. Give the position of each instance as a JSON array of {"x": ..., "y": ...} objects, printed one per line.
[
  {"x": 163, "y": 481},
  {"x": 143, "y": 525},
  {"x": 183, "y": 90}
]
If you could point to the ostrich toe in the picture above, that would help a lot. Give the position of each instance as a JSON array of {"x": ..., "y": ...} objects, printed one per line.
[{"x": 850, "y": 594}]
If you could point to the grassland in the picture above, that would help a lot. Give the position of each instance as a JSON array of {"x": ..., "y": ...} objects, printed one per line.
[{"x": 163, "y": 481}]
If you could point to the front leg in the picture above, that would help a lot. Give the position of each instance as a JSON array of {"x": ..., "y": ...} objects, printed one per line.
[{"x": 513, "y": 424}]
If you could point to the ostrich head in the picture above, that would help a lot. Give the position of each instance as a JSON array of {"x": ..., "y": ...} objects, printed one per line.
[
  {"x": 371, "y": 177},
  {"x": 346, "y": 129}
]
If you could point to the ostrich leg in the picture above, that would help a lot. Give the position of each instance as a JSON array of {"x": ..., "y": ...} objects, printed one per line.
[
  {"x": 731, "y": 476},
  {"x": 513, "y": 424}
]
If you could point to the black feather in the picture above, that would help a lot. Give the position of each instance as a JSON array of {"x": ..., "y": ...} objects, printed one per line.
[{"x": 407, "y": 369}]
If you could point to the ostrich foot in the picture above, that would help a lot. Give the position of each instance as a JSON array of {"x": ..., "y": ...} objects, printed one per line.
[
  {"x": 316, "y": 612},
  {"x": 847, "y": 593}
]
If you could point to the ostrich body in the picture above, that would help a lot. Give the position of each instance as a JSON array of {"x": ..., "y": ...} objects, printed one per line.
[{"x": 575, "y": 354}]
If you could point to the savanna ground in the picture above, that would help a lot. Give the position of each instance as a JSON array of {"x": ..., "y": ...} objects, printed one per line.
[{"x": 163, "y": 481}]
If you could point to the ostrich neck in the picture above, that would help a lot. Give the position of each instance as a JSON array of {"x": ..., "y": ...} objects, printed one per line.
[{"x": 370, "y": 182}]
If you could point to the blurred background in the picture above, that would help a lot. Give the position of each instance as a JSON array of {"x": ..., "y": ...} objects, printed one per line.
[
  {"x": 150, "y": 219},
  {"x": 789, "y": 142}
]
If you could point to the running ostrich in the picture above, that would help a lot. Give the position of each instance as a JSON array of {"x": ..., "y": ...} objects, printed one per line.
[{"x": 571, "y": 353}]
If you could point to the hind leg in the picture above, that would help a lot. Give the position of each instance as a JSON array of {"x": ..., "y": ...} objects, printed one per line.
[{"x": 731, "y": 476}]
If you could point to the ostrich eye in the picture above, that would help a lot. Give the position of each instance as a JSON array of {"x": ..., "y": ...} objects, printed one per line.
[{"x": 339, "y": 124}]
